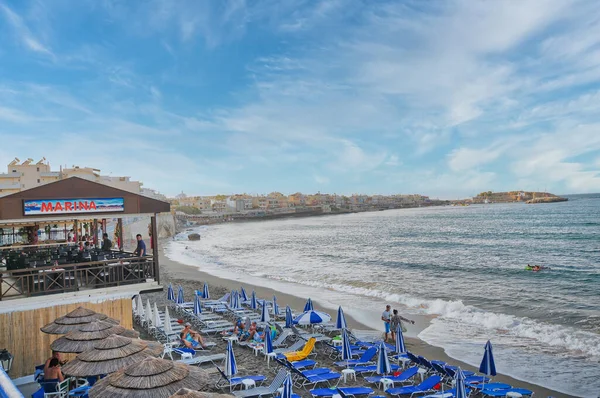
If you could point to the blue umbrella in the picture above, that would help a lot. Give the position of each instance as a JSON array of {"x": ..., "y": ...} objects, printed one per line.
[
  {"x": 346, "y": 350},
  {"x": 170, "y": 293},
  {"x": 312, "y": 317},
  {"x": 268, "y": 341},
  {"x": 400, "y": 346},
  {"x": 205, "y": 292},
  {"x": 264, "y": 314},
  {"x": 197, "y": 307},
  {"x": 230, "y": 365},
  {"x": 243, "y": 294},
  {"x": 275, "y": 306},
  {"x": 459, "y": 383},
  {"x": 383, "y": 362},
  {"x": 308, "y": 306},
  {"x": 180, "y": 296},
  {"x": 287, "y": 387},
  {"x": 232, "y": 299},
  {"x": 288, "y": 317},
  {"x": 341, "y": 319},
  {"x": 236, "y": 300},
  {"x": 253, "y": 302},
  {"x": 488, "y": 367}
]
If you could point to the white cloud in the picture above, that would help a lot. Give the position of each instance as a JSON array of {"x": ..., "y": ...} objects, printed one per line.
[
  {"x": 322, "y": 180},
  {"x": 23, "y": 33}
]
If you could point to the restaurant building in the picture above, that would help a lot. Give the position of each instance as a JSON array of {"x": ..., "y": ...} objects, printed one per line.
[{"x": 41, "y": 280}]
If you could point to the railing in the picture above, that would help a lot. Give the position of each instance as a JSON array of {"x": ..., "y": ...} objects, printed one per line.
[{"x": 73, "y": 277}]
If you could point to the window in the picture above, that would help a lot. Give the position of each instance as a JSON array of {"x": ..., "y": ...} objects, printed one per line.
[
  {"x": 38, "y": 169},
  {"x": 14, "y": 171},
  {"x": 38, "y": 180}
]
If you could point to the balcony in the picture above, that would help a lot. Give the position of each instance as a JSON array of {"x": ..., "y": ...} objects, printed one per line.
[
  {"x": 13, "y": 174},
  {"x": 50, "y": 174},
  {"x": 10, "y": 186}
]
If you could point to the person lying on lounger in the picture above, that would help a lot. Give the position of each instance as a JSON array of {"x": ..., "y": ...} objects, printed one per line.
[{"x": 191, "y": 338}]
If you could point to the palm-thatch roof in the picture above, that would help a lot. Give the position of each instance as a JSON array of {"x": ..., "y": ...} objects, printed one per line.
[
  {"x": 111, "y": 354},
  {"x": 149, "y": 378},
  {"x": 75, "y": 319},
  {"x": 187, "y": 393},
  {"x": 87, "y": 336}
]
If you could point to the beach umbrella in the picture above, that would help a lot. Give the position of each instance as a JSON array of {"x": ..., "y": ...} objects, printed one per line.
[
  {"x": 187, "y": 393},
  {"x": 243, "y": 294},
  {"x": 346, "y": 350},
  {"x": 74, "y": 320},
  {"x": 459, "y": 384},
  {"x": 148, "y": 315},
  {"x": 264, "y": 314},
  {"x": 157, "y": 321},
  {"x": 180, "y": 299},
  {"x": 88, "y": 335},
  {"x": 111, "y": 354},
  {"x": 230, "y": 365},
  {"x": 289, "y": 321},
  {"x": 311, "y": 318},
  {"x": 287, "y": 387},
  {"x": 400, "y": 346},
  {"x": 268, "y": 341},
  {"x": 275, "y": 306},
  {"x": 248, "y": 323},
  {"x": 149, "y": 378},
  {"x": 134, "y": 305},
  {"x": 140, "y": 306},
  {"x": 197, "y": 306},
  {"x": 308, "y": 306},
  {"x": 383, "y": 362},
  {"x": 205, "y": 292},
  {"x": 232, "y": 299},
  {"x": 170, "y": 293},
  {"x": 488, "y": 367},
  {"x": 236, "y": 300},
  {"x": 168, "y": 329},
  {"x": 253, "y": 301},
  {"x": 341, "y": 319}
]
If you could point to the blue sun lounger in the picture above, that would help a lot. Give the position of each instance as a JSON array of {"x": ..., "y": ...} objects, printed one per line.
[
  {"x": 490, "y": 386},
  {"x": 446, "y": 394},
  {"x": 343, "y": 391},
  {"x": 402, "y": 377},
  {"x": 312, "y": 377},
  {"x": 225, "y": 381},
  {"x": 425, "y": 387},
  {"x": 372, "y": 369},
  {"x": 365, "y": 359},
  {"x": 502, "y": 393}
]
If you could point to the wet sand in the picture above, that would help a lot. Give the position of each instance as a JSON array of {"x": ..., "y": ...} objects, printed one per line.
[{"x": 193, "y": 278}]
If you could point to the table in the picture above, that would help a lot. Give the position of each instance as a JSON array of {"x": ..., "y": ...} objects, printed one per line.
[
  {"x": 248, "y": 384},
  {"x": 348, "y": 373},
  {"x": 268, "y": 358},
  {"x": 386, "y": 383},
  {"x": 336, "y": 343},
  {"x": 404, "y": 361},
  {"x": 257, "y": 348}
]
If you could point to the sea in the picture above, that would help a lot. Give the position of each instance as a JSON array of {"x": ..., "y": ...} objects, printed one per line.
[{"x": 462, "y": 268}]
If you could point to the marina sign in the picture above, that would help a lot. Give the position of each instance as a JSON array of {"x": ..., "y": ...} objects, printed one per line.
[{"x": 68, "y": 206}]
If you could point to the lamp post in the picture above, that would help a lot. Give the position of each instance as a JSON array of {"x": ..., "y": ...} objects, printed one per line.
[{"x": 6, "y": 359}]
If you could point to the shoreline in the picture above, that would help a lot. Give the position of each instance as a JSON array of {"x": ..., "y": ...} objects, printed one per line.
[{"x": 171, "y": 269}]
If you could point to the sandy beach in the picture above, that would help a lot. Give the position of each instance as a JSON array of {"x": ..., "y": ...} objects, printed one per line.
[{"x": 192, "y": 278}]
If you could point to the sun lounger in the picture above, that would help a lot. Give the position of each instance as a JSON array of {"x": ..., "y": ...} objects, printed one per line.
[
  {"x": 201, "y": 359},
  {"x": 309, "y": 378},
  {"x": 425, "y": 387},
  {"x": 280, "y": 340},
  {"x": 365, "y": 359},
  {"x": 226, "y": 382},
  {"x": 260, "y": 391},
  {"x": 304, "y": 353},
  {"x": 294, "y": 347},
  {"x": 445, "y": 394},
  {"x": 306, "y": 363},
  {"x": 403, "y": 377},
  {"x": 372, "y": 369},
  {"x": 347, "y": 391},
  {"x": 502, "y": 393}
]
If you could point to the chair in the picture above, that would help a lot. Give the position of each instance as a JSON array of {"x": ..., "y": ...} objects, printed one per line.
[
  {"x": 61, "y": 389},
  {"x": 425, "y": 387},
  {"x": 401, "y": 378},
  {"x": 365, "y": 359},
  {"x": 260, "y": 391},
  {"x": 300, "y": 355}
]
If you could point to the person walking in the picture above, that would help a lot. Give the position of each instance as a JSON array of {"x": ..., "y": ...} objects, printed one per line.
[
  {"x": 396, "y": 321},
  {"x": 386, "y": 317}
]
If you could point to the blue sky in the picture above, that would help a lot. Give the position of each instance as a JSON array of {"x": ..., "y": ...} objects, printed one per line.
[{"x": 446, "y": 98}]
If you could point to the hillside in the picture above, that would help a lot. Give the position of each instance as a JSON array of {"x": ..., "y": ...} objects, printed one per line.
[{"x": 516, "y": 196}]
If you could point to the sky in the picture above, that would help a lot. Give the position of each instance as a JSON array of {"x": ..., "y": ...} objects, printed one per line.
[{"x": 442, "y": 98}]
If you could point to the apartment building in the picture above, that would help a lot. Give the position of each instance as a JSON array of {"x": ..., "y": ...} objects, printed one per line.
[{"x": 26, "y": 175}]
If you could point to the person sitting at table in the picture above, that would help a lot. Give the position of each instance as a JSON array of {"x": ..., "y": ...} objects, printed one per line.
[{"x": 53, "y": 372}]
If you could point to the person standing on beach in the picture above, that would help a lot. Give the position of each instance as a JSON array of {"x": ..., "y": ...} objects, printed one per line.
[
  {"x": 397, "y": 321},
  {"x": 385, "y": 317}
]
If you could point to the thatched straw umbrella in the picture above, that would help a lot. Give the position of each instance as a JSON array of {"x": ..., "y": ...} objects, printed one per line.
[
  {"x": 74, "y": 320},
  {"x": 111, "y": 354},
  {"x": 149, "y": 378},
  {"x": 88, "y": 335},
  {"x": 187, "y": 393}
]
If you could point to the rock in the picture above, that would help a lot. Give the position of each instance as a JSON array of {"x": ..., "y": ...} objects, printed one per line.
[{"x": 194, "y": 237}]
